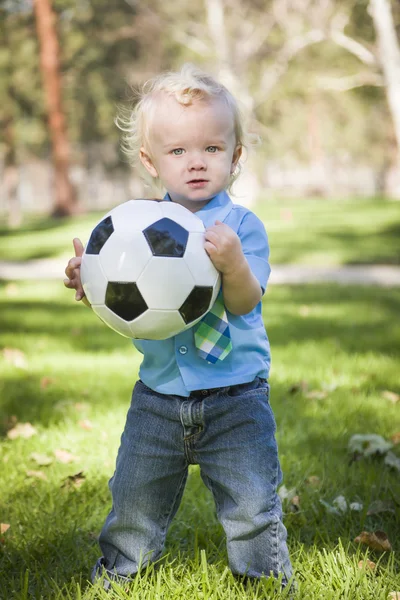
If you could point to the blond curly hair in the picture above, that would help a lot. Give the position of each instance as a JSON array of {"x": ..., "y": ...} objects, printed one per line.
[{"x": 186, "y": 86}]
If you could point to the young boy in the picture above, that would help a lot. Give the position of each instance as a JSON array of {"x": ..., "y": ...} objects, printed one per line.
[{"x": 187, "y": 133}]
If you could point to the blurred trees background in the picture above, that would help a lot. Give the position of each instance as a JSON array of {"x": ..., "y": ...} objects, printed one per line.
[{"x": 318, "y": 80}]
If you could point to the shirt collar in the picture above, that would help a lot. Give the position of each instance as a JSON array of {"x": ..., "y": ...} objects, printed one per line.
[{"x": 217, "y": 208}]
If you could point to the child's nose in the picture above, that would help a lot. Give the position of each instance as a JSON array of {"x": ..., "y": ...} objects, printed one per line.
[{"x": 196, "y": 163}]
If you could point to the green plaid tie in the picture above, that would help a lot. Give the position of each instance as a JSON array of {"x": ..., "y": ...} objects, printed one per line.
[{"x": 211, "y": 335}]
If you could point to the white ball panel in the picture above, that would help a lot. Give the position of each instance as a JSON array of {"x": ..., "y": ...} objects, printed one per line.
[
  {"x": 135, "y": 215},
  {"x": 157, "y": 325},
  {"x": 112, "y": 320},
  {"x": 182, "y": 215},
  {"x": 155, "y": 283},
  {"x": 198, "y": 261},
  {"x": 93, "y": 279},
  {"x": 119, "y": 261}
]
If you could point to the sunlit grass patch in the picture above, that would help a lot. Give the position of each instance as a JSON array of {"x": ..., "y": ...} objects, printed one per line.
[{"x": 335, "y": 352}]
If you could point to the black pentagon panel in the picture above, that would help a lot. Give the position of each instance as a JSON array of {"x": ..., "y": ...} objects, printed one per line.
[
  {"x": 196, "y": 304},
  {"x": 166, "y": 238},
  {"x": 99, "y": 236},
  {"x": 125, "y": 300}
]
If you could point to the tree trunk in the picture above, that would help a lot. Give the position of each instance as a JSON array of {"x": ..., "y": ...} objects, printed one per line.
[
  {"x": 389, "y": 55},
  {"x": 65, "y": 196}
]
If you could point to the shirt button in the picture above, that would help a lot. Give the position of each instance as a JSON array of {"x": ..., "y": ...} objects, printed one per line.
[{"x": 183, "y": 350}]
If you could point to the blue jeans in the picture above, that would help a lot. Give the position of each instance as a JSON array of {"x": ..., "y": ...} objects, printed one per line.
[{"x": 230, "y": 433}]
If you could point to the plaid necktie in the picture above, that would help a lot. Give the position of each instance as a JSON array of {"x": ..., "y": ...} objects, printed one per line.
[{"x": 212, "y": 337}]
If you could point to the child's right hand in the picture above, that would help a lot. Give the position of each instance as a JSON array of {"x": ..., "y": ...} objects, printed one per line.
[{"x": 73, "y": 271}]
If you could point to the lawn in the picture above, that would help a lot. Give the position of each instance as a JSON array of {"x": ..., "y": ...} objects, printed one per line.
[
  {"x": 316, "y": 232},
  {"x": 65, "y": 385}
]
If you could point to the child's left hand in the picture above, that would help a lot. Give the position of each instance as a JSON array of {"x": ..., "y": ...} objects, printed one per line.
[{"x": 224, "y": 248}]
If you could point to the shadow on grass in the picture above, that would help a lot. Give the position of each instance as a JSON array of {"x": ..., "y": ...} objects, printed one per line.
[{"x": 57, "y": 527}]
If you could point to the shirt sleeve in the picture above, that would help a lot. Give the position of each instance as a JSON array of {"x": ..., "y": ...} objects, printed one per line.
[{"x": 255, "y": 247}]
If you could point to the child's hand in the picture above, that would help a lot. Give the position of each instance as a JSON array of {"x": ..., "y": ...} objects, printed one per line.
[
  {"x": 224, "y": 248},
  {"x": 73, "y": 271}
]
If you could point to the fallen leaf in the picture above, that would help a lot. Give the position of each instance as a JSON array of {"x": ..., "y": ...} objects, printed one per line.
[
  {"x": 4, "y": 527},
  {"x": 395, "y": 438},
  {"x": 313, "y": 480},
  {"x": 46, "y": 381},
  {"x": 300, "y": 386},
  {"x": 37, "y": 475},
  {"x": 394, "y": 596},
  {"x": 86, "y": 424},
  {"x": 24, "y": 430},
  {"x": 367, "y": 565},
  {"x": 74, "y": 480},
  {"x": 285, "y": 494},
  {"x": 391, "y": 396},
  {"x": 294, "y": 505},
  {"x": 331, "y": 509},
  {"x": 41, "y": 459},
  {"x": 340, "y": 503},
  {"x": 65, "y": 457},
  {"x": 391, "y": 460},
  {"x": 378, "y": 506},
  {"x": 304, "y": 310},
  {"x": 368, "y": 444},
  {"x": 316, "y": 394},
  {"x": 377, "y": 540},
  {"x": 15, "y": 357}
]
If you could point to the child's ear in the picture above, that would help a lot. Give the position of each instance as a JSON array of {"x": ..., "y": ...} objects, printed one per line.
[
  {"x": 236, "y": 156},
  {"x": 146, "y": 160}
]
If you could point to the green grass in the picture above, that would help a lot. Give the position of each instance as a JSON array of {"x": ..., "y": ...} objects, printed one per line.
[
  {"x": 341, "y": 342},
  {"x": 317, "y": 232}
]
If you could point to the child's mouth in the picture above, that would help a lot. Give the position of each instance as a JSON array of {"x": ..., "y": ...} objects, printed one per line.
[{"x": 197, "y": 183}]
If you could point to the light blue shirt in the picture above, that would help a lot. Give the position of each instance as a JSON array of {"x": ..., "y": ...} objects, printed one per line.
[{"x": 172, "y": 366}]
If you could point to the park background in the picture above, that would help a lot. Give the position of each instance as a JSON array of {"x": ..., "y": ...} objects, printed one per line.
[{"x": 319, "y": 83}]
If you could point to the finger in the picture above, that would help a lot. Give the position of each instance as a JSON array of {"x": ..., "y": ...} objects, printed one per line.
[
  {"x": 210, "y": 248},
  {"x": 78, "y": 246},
  {"x": 211, "y": 236},
  {"x": 73, "y": 263}
]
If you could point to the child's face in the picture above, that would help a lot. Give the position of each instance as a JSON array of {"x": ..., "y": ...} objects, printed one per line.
[{"x": 192, "y": 149}]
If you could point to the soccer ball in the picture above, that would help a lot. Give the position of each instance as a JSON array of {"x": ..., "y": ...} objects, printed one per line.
[{"x": 145, "y": 270}]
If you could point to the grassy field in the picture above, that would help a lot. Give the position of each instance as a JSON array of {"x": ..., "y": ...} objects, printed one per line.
[
  {"x": 65, "y": 385},
  {"x": 317, "y": 232}
]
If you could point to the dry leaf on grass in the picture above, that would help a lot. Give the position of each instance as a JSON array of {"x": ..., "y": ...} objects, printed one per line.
[
  {"x": 393, "y": 461},
  {"x": 368, "y": 444},
  {"x": 394, "y": 596},
  {"x": 379, "y": 506},
  {"x": 368, "y": 565},
  {"x": 4, "y": 527},
  {"x": 313, "y": 480},
  {"x": 24, "y": 430},
  {"x": 86, "y": 424},
  {"x": 41, "y": 459},
  {"x": 376, "y": 540},
  {"x": 74, "y": 481},
  {"x": 36, "y": 475},
  {"x": 391, "y": 396},
  {"x": 65, "y": 457},
  {"x": 15, "y": 357},
  {"x": 395, "y": 438},
  {"x": 316, "y": 394},
  {"x": 46, "y": 381}
]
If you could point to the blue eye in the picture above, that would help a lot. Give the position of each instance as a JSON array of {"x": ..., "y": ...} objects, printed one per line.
[
  {"x": 177, "y": 151},
  {"x": 212, "y": 149}
]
